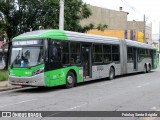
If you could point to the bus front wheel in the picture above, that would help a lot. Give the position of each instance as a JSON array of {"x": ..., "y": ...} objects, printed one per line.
[
  {"x": 111, "y": 73},
  {"x": 70, "y": 80}
]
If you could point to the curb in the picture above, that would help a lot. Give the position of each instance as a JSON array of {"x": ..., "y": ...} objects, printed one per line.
[{"x": 9, "y": 88}]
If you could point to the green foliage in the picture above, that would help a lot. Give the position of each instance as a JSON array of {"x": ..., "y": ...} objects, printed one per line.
[
  {"x": 19, "y": 16},
  {"x": 102, "y": 27},
  {"x": 3, "y": 75}
]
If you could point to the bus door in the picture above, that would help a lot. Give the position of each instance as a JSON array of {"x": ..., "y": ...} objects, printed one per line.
[
  {"x": 135, "y": 59},
  {"x": 86, "y": 61},
  {"x": 152, "y": 57}
]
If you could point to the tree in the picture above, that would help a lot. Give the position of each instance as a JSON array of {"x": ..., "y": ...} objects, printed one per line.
[
  {"x": 102, "y": 27},
  {"x": 19, "y": 16}
]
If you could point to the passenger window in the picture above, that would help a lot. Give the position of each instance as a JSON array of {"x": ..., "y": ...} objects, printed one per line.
[
  {"x": 65, "y": 52},
  {"x": 55, "y": 52},
  {"x": 107, "y": 53},
  {"x": 115, "y": 53},
  {"x": 130, "y": 54},
  {"x": 75, "y": 57},
  {"x": 97, "y": 53}
]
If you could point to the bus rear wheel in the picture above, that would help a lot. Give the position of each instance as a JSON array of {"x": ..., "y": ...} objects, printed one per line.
[
  {"x": 149, "y": 68},
  {"x": 145, "y": 68},
  {"x": 111, "y": 73},
  {"x": 70, "y": 80}
]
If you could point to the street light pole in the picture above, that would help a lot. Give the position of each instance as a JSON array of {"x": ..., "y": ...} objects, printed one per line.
[
  {"x": 159, "y": 37},
  {"x": 61, "y": 15},
  {"x": 145, "y": 29}
]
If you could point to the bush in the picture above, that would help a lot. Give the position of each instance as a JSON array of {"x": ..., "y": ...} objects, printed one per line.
[{"x": 3, "y": 75}]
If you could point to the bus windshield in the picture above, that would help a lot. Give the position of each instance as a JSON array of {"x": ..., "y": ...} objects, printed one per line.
[{"x": 26, "y": 56}]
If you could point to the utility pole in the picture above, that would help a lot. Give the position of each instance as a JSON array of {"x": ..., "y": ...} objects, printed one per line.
[
  {"x": 61, "y": 15},
  {"x": 144, "y": 29},
  {"x": 159, "y": 37}
]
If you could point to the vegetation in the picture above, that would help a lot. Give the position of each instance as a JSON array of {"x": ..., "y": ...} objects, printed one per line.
[
  {"x": 3, "y": 75},
  {"x": 19, "y": 16}
]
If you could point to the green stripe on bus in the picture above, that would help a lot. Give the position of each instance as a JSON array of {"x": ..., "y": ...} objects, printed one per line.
[
  {"x": 58, "y": 77},
  {"x": 24, "y": 72},
  {"x": 53, "y": 34}
]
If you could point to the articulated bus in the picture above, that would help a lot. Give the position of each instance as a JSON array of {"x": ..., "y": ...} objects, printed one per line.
[{"x": 56, "y": 57}]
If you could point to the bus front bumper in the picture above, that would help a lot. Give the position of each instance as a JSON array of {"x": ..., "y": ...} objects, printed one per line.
[{"x": 37, "y": 80}]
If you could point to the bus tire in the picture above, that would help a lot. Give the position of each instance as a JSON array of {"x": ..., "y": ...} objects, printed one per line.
[
  {"x": 111, "y": 73},
  {"x": 145, "y": 68},
  {"x": 149, "y": 68},
  {"x": 70, "y": 80}
]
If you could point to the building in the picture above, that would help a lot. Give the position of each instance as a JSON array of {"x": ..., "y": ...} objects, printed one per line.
[
  {"x": 155, "y": 43},
  {"x": 118, "y": 26}
]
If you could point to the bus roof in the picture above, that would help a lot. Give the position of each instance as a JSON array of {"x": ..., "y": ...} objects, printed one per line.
[
  {"x": 66, "y": 35},
  {"x": 75, "y": 36},
  {"x": 138, "y": 44},
  {"x": 55, "y": 34}
]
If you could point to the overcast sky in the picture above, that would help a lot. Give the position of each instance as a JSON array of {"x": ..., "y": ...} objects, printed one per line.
[{"x": 136, "y": 9}]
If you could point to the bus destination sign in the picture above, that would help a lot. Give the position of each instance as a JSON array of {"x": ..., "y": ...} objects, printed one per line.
[{"x": 29, "y": 42}]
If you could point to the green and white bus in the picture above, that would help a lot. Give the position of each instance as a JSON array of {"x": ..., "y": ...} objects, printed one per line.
[{"x": 56, "y": 57}]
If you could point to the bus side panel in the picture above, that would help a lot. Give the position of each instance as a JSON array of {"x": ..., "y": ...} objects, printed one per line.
[
  {"x": 156, "y": 60},
  {"x": 102, "y": 71},
  {"x": 58, "y": 77},
  {"x": 123, "y": 56},
  {"x": 144, "y": 61}
]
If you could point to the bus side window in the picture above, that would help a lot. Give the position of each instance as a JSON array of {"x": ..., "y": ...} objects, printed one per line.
[
  {"x": 55, "y": 52},
  {"x": 75, "y": 53},
  {"x": 115, "y": 53},
  {"x": 65, "y": 52}
]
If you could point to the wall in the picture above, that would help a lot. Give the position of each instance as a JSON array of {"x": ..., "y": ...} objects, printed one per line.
[
  {"x": 122, "y": 34},
  {"x": 117, "y": 21},
  {"x": 114, "y": 19}
]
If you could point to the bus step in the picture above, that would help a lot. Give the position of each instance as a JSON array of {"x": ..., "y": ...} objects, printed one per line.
[{"x": 87, "y": 78}]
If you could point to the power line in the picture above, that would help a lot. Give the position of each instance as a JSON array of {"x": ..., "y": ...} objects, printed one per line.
[{"x": 136, "y": 10}]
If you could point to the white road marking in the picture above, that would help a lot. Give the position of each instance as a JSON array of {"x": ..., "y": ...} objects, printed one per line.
[
  {"x": 143, "y": 85},
  {"x": 78, "y": 106},
  {"x": 151, "y": 118},
  {"x": 72, "y": 108},
  {"x": 153, "y": 108},
  {"x": 18, "y": 103},
  {"x": 104, "y": 84}
]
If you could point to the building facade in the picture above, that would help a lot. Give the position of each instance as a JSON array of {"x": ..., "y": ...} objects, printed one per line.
[{"x": 118, "y": 26}]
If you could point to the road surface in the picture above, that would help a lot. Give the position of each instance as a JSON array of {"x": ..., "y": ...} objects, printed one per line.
[{"x": 135, "y": 92}]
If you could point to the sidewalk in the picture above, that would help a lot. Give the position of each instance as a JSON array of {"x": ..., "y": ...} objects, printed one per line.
[{"x": 4, "y": 85}]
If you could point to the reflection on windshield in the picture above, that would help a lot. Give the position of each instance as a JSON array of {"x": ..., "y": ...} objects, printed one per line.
[{"x": 26, "y": 56}]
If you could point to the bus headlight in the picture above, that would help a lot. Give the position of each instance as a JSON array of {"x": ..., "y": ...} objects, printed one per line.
[{"x": 41, "y": 70}]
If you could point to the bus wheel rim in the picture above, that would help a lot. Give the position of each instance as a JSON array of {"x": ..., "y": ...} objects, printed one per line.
[
  {"x": 145, "y": 69},
  {"x": 111, "y": 74},
  {"x": 70, "y": 79}
]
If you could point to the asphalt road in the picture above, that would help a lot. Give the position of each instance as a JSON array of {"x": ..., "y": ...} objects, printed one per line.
[{"x": 135, "y": 92}]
